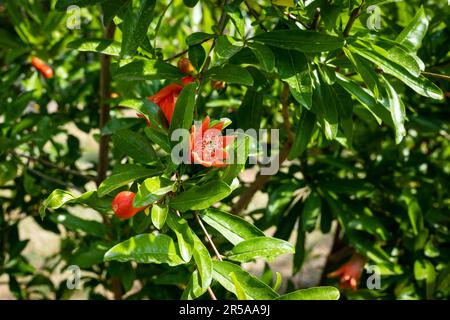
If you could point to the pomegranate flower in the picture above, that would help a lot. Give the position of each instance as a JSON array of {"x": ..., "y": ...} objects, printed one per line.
[
  {"x": 207, "y": 144},
  {"x": 350, "y": 272},
  {"x": 167, "y": 97}
]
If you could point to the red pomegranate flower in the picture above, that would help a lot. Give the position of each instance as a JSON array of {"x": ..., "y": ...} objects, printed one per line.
[
  {"x": 350, "y": 272},
  {"x": 207, "y": 144},
  {"x": 167, "y": 97}
]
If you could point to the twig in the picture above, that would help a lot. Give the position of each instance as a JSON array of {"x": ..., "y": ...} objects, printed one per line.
[
  {"x": 211, "y": 293},
  {"x": 255, "y": 15},
  {"x": 213, "y": 246},
  {"x": 52, "y": 165},
  {"x": 261, "y": 180},
  {"x": 436, "y": 75},
  {"x": 353, "y": 16},
  {"x": 55, "y": 180}
]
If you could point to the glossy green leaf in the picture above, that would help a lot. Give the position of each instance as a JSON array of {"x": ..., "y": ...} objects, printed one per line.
[
  {"x": 240, "y": 293},
  {"x": 152, "y": 190},
  {"x": 225, "y": 47},
  {"x": 294, "y": 70},
  {"x": 184, "y": 235},
  {"x": 264, "y": 55},
  {"x": 311, "y": 212},
  {"x": 75, "y": 223},
  {"x": 233, "y": 228},
  {"x": 197, "y": 56},
  {"x": 301, "y": 40},
  {"x": 159, "y": 215},
  {"x": 159, "y": 137},
  {"x": 398, "y": 112},
  {"x": 129, "y": 173},
  {"x": 201, "y": 197},
  {"x": 253, "y": 288},
  {"x": 135, "y": 25},
  {"x": 421, "y": 85},
  {"x": 184, "y": 109},
  {"x": 261, "y": 247},
  {"x": 230, "y": 74},
  {"x": 250, "y": 111},
  {"x": 315, "y": 293},
  {"x": 411, "y": 37},
  {"x": 146, "y": 248},
  {"x": 325, "y": 108},
  {"x": 367, "y": 73},
  {"x": 135, "y": 145},
  {"x": 198, "y": 37},
  {"x": 108, "y": 47},
  {"x": 147, "y": 70},
  {"x": 303, "y": 134},
  {"x": 203, "y": 261}
]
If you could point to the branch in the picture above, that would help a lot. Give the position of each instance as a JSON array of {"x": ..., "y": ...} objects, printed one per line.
[
  {"x": 52, "y": 165},
  {"x": 353, "y": 16},
  {"x": 436, "y": 75},
  {"x": 105, "y": 93},
  {"x": 213, "y": 246},
  {"x": 261, "y": 180},
  {"x": 55, "y": 180},
  {"x": 255, "y": 15}
]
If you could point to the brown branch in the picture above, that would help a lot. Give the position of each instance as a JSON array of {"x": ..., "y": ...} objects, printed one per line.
[
  {"x": 262, "y": 180},
  {"x": 52, "y": 165},
  {"x": 436, "y": 75},
  {"x": 208, "y": 237},
  {"x": 105, "y": 93},
  {"x": 54, "y": 180},
  {"x": 353, "y": 16},
  {"x": 255, "y": 15}
]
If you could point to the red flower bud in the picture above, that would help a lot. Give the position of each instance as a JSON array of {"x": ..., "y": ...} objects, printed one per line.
[
  {"x": 123, "y": 205},
  {"x": 42, "y": 67}
]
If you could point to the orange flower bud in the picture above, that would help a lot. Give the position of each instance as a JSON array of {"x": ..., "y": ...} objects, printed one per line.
[
  {"x": 185, "y": 66},
  {"x": 218, "y": 85}
]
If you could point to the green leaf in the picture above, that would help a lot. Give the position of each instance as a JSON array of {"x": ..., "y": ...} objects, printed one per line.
[
  {"x": 59, "y": 198},
  {"x": 197, "y": 56},
  {"x": 315, "y": 293},
  {"x": 250, "y": 111},
  {"x": 8, "y": 171},
  {"x": 301, "y": 40},
  {"x": 129, "y": 173},
  {"x": 231, "y": 74},
  {"x": 159, "y": 137},
  {"x": 303, "y": 134},
  {"x": 194, "y": 288},
  {"x": 369, "y": 224},
  {"x": 325, "y": 108},
  {"x": 414, "y": 213},
  {"x": 80, "y": 225},
  {"x": 424, "y": 270},
  {"x": 146, "y": 248},
  {"x": 240, "y": 152},
  {"x": 135, "y": 25},
  {"x": 152, "y": 190},
  {"x": 367, "y": 73},
  {"x": 111, "y": 8},
  {"x": 379, "y": 111},
  {"x": 240, "y": 293},
  {"x": 253, "y": 288},
  {"x": 184, "y": 235},
  {"x": 159, "y": 215},
  {"x": 261, "y": 247},
  {"x": 108, "y": 47},
  {"x": 204, "y": 263},
  {"x": 198, "y": 37},
  {"x": 147, "y": 70},
  {"x": 201, "y": 197},
  {"x": 264, "y": 55},
  {"x": 224, "y": 48},
  {"x": 311, "y": 212},
  {"x": 411, "y": 37},
  {"x": 398, "y": 112},
  {"x": 147, "y": 108},
  {"x": 233, "y": 228},
  {"x": 184, "y": 109},
  {"x": 134, "y": 145},
  {"x": 278, "y": 281},
  {"x": 421, "y": 85}
]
